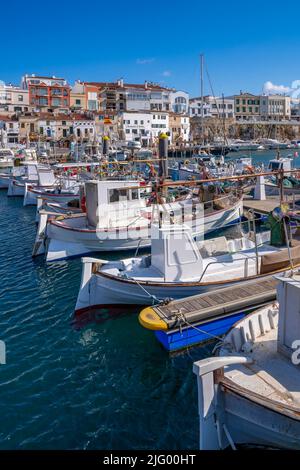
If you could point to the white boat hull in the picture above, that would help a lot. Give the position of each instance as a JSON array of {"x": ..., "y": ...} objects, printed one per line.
[
  {"x": 71, "y": 237},
  {"x": 31, "y": 195},
  {"x": 15, "y": 188},
  {"x": 98, "y": 290}
]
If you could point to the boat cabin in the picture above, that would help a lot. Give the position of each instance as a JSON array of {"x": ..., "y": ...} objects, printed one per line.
[
  {"x": 107, "y": 199},
  {"x": 280, "y": 164}
]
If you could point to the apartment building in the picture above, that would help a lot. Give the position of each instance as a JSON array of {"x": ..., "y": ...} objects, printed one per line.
[
  {"x": 159, "y": 124},
  {"x": 137, "y": 126},
  {"x": 13, "y": 99},
  {"x": 247, "y": 107},
  {"x": 213, "y": 107},
  {"x": 179, "y": 101},
  {"x": 275, "y": 107},
  {"x": 179, "y": 128},
  {"x": 47, "y": 93},
  {"x": 78, "y": 97},
  {"x": 10, "y": 126}
]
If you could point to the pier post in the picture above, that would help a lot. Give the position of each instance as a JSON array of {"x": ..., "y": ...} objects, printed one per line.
[
  {"x": 163, "y": 155},
  {"x": 105, "y": 145}
]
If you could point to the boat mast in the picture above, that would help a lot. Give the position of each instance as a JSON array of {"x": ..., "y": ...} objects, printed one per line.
[{"x": 201, "y": 91}]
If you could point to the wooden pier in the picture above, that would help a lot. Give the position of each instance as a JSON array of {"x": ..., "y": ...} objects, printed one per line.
[
  {"x": 210, "y": 305},
  {"x": 268, "y": 205}
]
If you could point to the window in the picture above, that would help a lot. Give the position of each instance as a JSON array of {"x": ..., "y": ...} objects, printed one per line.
[
  {"x": 43, "y": 101},
  {"x": 135, "y": 122},
  {"x": 78, "y": 102},
  {"x": 134, "y": 194},
  {"x": 127, "y": 131},
  {"x": 142, "y": 122},
  {"x": 237, "y": 101},
  {"x": 20, "y": 97},
  {"x": 41, "y": 130},
  {"x": 78, "y": 132},
  {"x": 22, "y": 125},
  {"x": 116, "y": 195}
]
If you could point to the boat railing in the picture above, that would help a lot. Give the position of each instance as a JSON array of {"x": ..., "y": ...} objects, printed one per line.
[
  {"x": 232, "y": 197},
  {"x": 246, "y": 265}
]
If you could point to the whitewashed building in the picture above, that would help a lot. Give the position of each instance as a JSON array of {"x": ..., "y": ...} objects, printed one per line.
[
  {"x": 213, "y": 107},
  {"x": 147, "y": 97},
  {"x": 136, "y": 126},
  {"x": 159, "y": 124},
  {"x": 9, "y": 128},
  {"x": 275, "y": 107},
  {"x": 179, "y": 101},
  {"x": 84, "y": 128},
  {"x": 13, "y": 99}
]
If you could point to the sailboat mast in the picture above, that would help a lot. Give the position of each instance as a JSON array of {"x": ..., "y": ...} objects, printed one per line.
[{"x": 201, "y": 91}]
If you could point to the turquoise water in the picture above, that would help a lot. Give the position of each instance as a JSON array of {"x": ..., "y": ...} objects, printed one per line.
[
  {"x": 107, "y": 384},
  {"x": 264, "y": 156}
]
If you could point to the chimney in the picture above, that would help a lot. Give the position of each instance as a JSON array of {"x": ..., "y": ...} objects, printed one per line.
[{"x": 120, "y": 82}]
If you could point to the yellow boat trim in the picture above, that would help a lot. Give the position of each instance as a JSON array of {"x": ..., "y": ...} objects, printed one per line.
[{"x": 149, "y": 319}]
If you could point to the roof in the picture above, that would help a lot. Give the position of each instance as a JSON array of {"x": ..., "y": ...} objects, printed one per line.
[
  {"x": 7, "y": 118},
  {"x": 115, "y": 85},
  {"x": 43, "y": 76}
]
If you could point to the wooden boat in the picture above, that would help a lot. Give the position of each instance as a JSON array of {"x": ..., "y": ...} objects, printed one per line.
[
  {"x": 125, "y": 227},
  {"x": 178, "y": 268},
  {"x": 250, "y": 393}
]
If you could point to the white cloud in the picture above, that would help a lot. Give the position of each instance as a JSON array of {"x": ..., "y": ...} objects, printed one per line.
[
  {"x": 270, "y": 88},
  {"x": 166, "y": 73},
  {"x": 145, "y": 61}
]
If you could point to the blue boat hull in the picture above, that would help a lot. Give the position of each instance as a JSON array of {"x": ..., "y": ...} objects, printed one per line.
[{"x": 175, "y": 340}]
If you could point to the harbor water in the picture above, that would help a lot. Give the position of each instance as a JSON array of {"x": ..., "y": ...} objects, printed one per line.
[{"x": 99, "y": 384}]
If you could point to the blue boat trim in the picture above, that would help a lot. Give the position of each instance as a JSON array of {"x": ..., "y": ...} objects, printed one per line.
[{"x": 174, "y": 340}]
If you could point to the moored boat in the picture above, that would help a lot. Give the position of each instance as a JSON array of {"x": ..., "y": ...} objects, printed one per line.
[
  {"x": 178, "y": 267},
  {"x": 249, "y": 393}
]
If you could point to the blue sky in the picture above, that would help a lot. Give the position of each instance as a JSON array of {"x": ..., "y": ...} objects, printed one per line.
[{"x": 245, "y": 43}]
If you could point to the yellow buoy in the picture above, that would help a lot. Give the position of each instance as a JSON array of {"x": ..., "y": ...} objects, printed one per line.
[{"x": 149, "y": 319}]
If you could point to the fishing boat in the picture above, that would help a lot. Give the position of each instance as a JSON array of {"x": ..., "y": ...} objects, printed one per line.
[
  {"x": 109, "y": 226},
  {"x": 290, "y": 183},
  {"x": 249, "y": 393},
  {"x": 6, "y": 159},
  {"x": 26, "y": 173},
  {"x": 179, "y": 267}
]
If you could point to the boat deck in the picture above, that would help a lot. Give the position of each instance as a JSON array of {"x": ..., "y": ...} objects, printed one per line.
[
  {"x": 271, "y": 375},
  {"x": 219, "y": 302}
]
